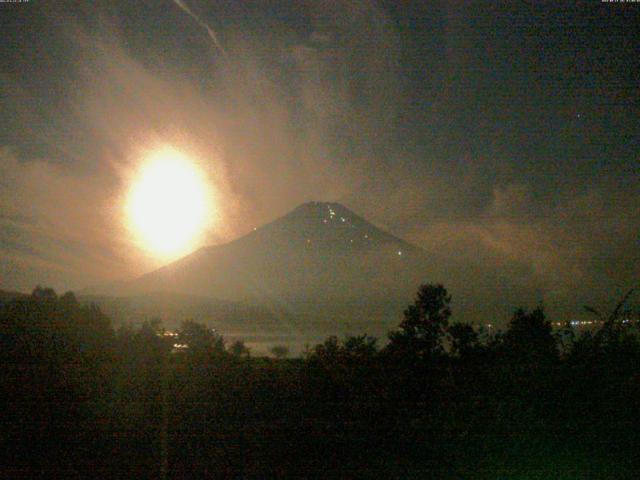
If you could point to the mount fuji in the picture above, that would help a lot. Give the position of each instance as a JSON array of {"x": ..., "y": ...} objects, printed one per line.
[{"x": 321, "y": 269}]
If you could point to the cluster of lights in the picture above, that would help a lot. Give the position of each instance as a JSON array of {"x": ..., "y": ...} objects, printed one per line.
[
  {"x": 583, "y": 323},
  {"x": 580, "y": 323},
  {"x": 332, "y": 215},
  {"x": 174, "y": 335},
  {"x": 573, "y": 323},
  {"x": 177, "y": 346},
  {"x": 577, "y": 323}
]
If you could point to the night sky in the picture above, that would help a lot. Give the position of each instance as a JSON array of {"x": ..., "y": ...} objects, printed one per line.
[{"x": 505, "y": 136}]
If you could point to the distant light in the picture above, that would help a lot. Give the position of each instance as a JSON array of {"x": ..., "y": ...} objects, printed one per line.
[
  {"x": 399, "y": 252},
  {"x": 366, "y": 236},
  {"x": 254, "y": 229},
  {"x": 343, "y": 219}
]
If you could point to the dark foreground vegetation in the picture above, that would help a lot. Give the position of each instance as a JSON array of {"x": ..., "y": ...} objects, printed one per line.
[{"x": 440, "y": 400}]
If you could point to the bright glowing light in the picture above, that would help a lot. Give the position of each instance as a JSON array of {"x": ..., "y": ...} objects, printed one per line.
[{"x": 169, "y": 204}]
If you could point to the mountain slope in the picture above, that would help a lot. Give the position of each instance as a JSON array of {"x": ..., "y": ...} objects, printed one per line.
[{"x": 317, "y": 250}]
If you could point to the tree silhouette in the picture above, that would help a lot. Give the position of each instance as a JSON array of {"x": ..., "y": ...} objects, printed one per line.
[
  {"x": 618, "y": 313},
  {"x": 74, "y": 404},
  {"x": 239, "y": 349},
  {"x": 424, "y": 323},
  {"x": 614, "y": 325},
  {"x": 57, "y": 359},
  {"x": 360, "y": 346},
  {"x": 280, "y": 351},
  {"x": 464, "y": 339},
  {"x": 353, "y": 350},
  {"x": 529, "y": 336},
  {"x": 199, "y": 338},
  {"x": 617, "y": 336}
]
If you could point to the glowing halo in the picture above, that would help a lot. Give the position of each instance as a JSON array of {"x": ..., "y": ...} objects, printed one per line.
[{"x": 170, "y": 204}]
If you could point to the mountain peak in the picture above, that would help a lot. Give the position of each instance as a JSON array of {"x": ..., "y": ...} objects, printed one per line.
[
  {"x": 311, "y": 218},
  {"x": 321, "y": 209},
  {"x": 328, "y": 227}
]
